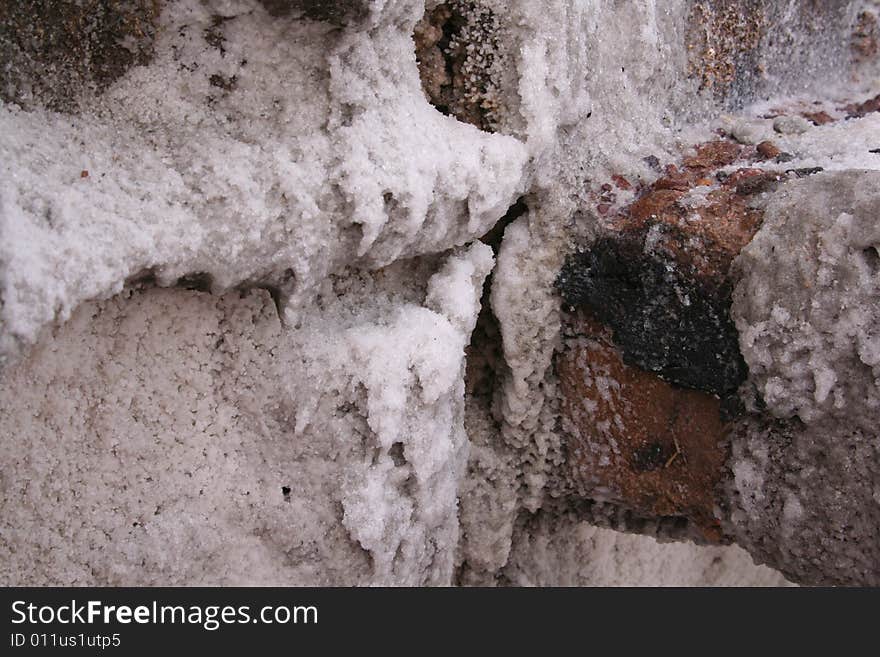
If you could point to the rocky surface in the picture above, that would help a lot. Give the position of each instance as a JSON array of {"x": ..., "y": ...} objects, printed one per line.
[
  {"x": 428, "y": 292},
  {"x": 639, "y": 441},
  {"x": 788, "y": 256},
  {"x": 56, "y": 53},
  {"x": 204, "y": 442},
  {"x": 805, "y": 471}
]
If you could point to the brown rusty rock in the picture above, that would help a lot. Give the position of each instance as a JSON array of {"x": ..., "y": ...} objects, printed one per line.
[
  {"x": 677, "y": 180},
  {"x": 858, "y": 110},
  {"x": 818, "y": 118},
  {"x": 650, "y": 370},
  {"x": 655, "y": 204},
  {"x": 636, "y": 440},
  {"x": 658, "y": 274},
  {"x": 722, "y": 42},
  {"x": 768, "y": 150},
  {"x": 741, "y": 175},
  {"x": 621, "y": 182},
  {"x": 432, "y": 65},
  {"x": 714, "y": 154},
  {"x": 703, "y": 241},
  {"x": 739, "y": 49},
  {"x": 754, "y": 182}
]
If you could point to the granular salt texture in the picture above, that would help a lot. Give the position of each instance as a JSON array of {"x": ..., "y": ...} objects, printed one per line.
[
  {"x": 256, "y": 149},
  {"x": 527, "y": 309},
  {"x": 562, "y": 550},
  {"x": 804, "y": 488},
  {"x": 805, "y": 499},
  {"x": 807, "y": 305},
  {"x": 295, "y": 150},
  {"x": 175, "y": 437}
]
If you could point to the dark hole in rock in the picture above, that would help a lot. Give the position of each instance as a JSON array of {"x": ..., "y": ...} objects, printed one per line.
[
  {"x": 495, "y": 234},
  {"x": 280, "y": 288},
  {"x": 278, "y": 298},
  {"x": 199, "y": 281},
  {"x": 871, "y": 256},
  {"x": 484, "y": 358},
  {"x": 144, "y": 278},
  {"x": 397, "y": 455}
]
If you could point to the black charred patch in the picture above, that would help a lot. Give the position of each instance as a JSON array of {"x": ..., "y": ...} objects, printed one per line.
[
  {"x": 196, "y": 281},
  {"x": 663, "y": 321},
  {"x": 649, "y": 457}
]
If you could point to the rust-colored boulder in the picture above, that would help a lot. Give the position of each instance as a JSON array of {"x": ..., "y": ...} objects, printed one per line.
[
  {"x": 768, "y": 150},
  {"x": 636, "y": 440},
  {"x": 650, "y": 364},
  {"x": 713, "y": 154},
  {"x": 657, "y": 276}
]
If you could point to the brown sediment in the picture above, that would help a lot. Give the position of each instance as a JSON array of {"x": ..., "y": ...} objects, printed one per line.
[
  {"x": 53, "y": 52},
  {"x": 455, "y": 49}
]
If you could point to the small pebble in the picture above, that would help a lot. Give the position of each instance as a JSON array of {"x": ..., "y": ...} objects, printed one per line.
[
  {"x": 818, "y": 118},
  {"x": 768, "y": 150},
  {"x": 652, "y": 161},
  {"x": 791, "y": 125},
  {"x": 748, "y": 132}
]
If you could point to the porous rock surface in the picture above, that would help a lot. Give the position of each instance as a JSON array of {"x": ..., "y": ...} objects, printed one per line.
[
  {"x": 807, "y": 477},
  {"x": 280, "y": 302}
]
